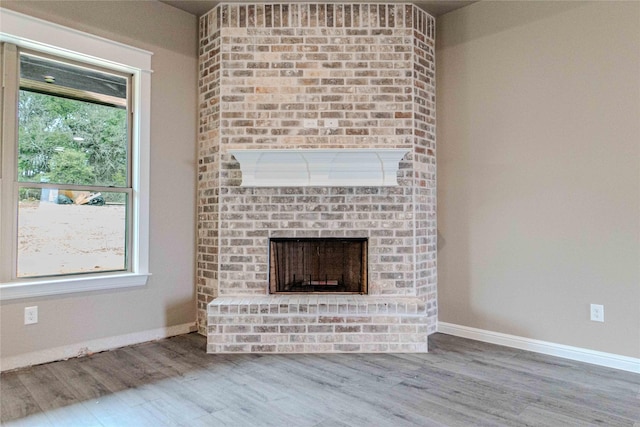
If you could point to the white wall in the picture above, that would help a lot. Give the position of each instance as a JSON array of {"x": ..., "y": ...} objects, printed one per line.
[
  {"x": 539, "y": 170},
  {"x": 168, "y": 299}
]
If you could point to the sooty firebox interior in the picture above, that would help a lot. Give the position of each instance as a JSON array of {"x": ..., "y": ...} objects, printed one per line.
[{"x": 318, "y": 265}]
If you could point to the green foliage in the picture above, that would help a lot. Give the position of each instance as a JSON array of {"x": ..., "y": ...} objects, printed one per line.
[
  {"x": 57, "y": 133},
  {"x": 71, "y": 167},
  {"x": 30, "y": 193}
]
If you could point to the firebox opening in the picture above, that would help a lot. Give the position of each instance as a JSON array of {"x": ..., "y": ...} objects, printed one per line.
[{"x": 333, "y": 265}]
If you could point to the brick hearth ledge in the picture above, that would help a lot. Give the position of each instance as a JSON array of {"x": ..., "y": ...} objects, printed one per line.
[{"x": 317, "y": 323}]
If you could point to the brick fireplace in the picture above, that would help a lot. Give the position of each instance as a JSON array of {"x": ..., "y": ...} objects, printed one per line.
[{"x": 294, "y": 78}]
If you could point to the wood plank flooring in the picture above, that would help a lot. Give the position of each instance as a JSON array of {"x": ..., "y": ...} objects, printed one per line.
[{"x": 459, "y": 383}]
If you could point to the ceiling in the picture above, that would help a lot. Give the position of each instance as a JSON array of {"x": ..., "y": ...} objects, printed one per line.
[{"x": 434, "y": 7}]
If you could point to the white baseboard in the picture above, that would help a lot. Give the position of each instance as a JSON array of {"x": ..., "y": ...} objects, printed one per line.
[
  {"x": 600, "y": 358},
  {"x": 93, "y": 346}
]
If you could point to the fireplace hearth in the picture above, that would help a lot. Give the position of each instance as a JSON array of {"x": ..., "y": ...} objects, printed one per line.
[{"x": 318, "y": 265}]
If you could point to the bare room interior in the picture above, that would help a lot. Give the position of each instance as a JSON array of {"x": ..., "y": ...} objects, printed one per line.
[{"x": 320, "y": 213}]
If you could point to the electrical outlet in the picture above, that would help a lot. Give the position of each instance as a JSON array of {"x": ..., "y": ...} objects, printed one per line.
[
  {"x": 310, "y": 123},
  {"x": 597, "y": 312},
  {"x": 31, "y": 315}
]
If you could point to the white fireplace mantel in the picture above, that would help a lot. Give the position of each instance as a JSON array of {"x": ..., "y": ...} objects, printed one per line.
[{"x": 319, "y": 167}]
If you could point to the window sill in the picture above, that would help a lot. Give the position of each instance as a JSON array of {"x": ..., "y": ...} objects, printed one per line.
[{"x": 40, "y": 288}]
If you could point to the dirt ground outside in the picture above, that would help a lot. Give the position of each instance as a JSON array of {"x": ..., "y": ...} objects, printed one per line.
[{"x": 63, "y": 239}]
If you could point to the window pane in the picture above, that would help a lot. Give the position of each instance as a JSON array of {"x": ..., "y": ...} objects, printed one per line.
[
  {"x": 47, "y": 75},
  {"x": 67, "y": 141},
  {"x": 72, "y": 124},
  {"x": 66, "y": 232}
]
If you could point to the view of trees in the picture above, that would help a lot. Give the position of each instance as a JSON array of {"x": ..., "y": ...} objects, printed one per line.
[{"x": 71, "y": 142}]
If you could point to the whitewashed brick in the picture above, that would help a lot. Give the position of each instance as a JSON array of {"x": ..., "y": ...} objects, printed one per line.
[{"x": 264, "y": 68}]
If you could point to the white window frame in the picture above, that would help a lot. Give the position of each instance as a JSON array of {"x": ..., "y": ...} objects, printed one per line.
[{"x": 38, "y": 35}]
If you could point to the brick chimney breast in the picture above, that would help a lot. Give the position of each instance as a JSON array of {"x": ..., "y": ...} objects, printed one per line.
[{"x": 316, "y": 78}]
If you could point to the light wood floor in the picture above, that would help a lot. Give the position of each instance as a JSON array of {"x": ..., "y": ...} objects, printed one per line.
[{"x": 459, "y": 383}]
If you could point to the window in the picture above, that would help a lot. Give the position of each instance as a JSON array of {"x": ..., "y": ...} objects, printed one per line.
[
  {"x": 74, "y": 161},
  {"x": 72, "y": 168}
]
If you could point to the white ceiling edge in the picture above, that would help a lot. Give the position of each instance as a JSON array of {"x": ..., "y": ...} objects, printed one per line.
[
  {"x": 368, "y": 167},
  {"x": 433, "y": 7}
]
